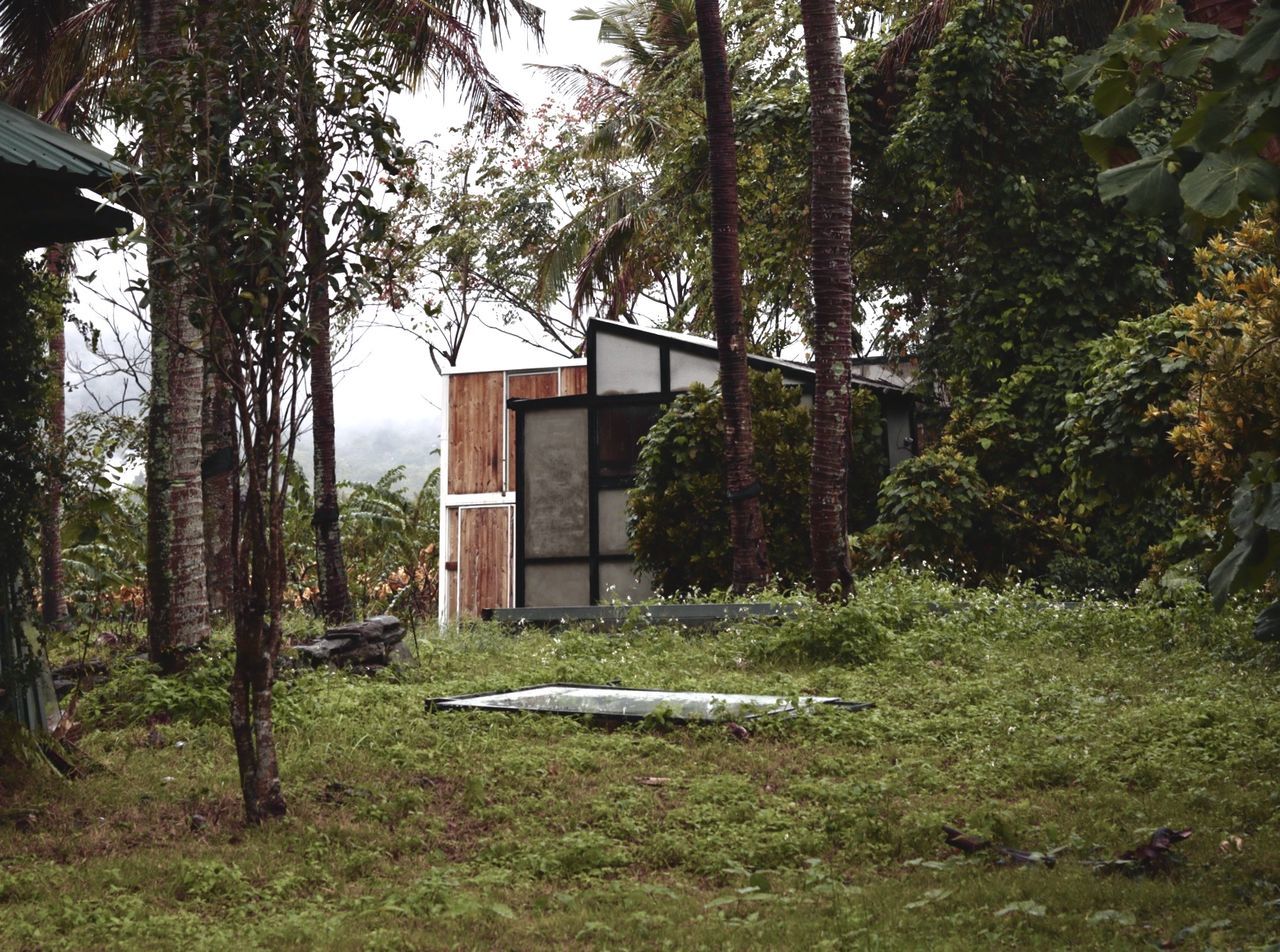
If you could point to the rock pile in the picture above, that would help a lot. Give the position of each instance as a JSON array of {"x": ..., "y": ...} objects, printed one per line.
[{"x": 372, "y": 643}]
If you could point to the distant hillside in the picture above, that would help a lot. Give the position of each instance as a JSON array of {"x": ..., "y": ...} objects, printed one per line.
[{"x": 365, "y": 453}]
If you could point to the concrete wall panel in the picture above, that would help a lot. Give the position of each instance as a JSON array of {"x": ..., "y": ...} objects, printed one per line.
[
  {"x": 557, "y": 584},
  {"x": 555, "y": 498}
]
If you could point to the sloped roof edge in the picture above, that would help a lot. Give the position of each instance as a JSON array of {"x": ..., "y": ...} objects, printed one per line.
[{"x": 37, "y": 148}]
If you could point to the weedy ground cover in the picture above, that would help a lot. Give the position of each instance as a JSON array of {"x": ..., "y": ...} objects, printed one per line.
[{"x": 1039, "y": 725}]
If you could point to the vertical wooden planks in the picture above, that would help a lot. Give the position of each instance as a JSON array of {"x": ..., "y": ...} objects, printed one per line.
[
  {"x": 573, "y": 380},
  {"x": 484, "y": 559},
  {"x": 449, "y": 588},
  {"x": 475, "y": 433}
]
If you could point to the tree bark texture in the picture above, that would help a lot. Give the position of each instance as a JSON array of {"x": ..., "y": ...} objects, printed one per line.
[
  {"x": 53, "y": 605},
  {"x": 218, "y": 472},
  {"x": 257, "y": 635},
  {"x": 750, "y": 557},
  {"x": 261, "y": 372},
  {"x": 335, "y": 597},
  {"x": 831, "y": 208},
  {"x": 178, "y": 615},
  {"x": 221, "y": 456}
]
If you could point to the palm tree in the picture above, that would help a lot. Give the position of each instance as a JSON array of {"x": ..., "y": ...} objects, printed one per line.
[
  {"x": 831, "y": 211},
  {"x": 178, "y": 616},
  {"x": 746, "y": 526},
  {"x": 417, "y": 39}
]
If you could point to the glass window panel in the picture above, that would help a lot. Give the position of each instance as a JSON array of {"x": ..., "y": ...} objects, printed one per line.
[
  {"x": 619, "y": 430},
  {"x": 634, "y": 704}
]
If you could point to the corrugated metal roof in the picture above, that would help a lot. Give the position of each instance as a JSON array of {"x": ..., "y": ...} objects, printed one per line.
[{"x": 37, "y": 148}]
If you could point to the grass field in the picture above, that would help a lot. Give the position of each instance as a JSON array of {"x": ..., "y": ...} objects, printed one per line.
[{"x": 1042, "y": 726}]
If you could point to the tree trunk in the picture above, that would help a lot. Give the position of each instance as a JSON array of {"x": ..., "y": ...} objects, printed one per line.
[
  {"x": 831, "y": 208},
  {"x": 257, "y": 632},
  {"x": 219, "y": 474},
  {"x": 53, "y": 606},
  {"x": 178, "y": 615},
  {"x": 750, "y": 557},
  {"x": 335, "y": 597},
  {"x": 221, "y": 456}
]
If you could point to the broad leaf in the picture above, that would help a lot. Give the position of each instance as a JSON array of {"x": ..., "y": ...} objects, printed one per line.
[
  {"x": 1113, "y": 94},
  {"x": 1246, "y": 565},
  {"x": 1126, "y": 117},
  {"x": 1083, "y": 69},
  {"x": 1261, "y": 45},
  {"x": 1243, "y": 505},
  {"x": 1184, "y": 59},
  {"x": 1268, "y": 514},
  {"x": 1147, "y": 186},
  {"x": 1225, "y": 181},
  {"x": 1266, "y": 627}
]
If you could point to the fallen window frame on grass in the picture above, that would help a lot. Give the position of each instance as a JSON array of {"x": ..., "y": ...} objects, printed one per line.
[{"x": 566, "y": 698}]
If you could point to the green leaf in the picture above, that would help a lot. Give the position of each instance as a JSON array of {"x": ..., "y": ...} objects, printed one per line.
[
  {"x": 1246, "y": 566},
  {"x": 1266, "y": 627},
  {"x": 1082, "y": 69},
  {"x": 1028, "y": 907},
  {"x": 1184, "y": 59},
  {"x": 1194, "y": 124},
  {"x": 1224, "y": 181},
  {"x": 1120, "y": 121},
  {"x": 1112, "y": 94},
  {"x": 1268, "y": 515},
  {"x": 1261, "y": 44},
  {"x": 1147, "y": 186},
  {"x": 1243, "y": 504}
]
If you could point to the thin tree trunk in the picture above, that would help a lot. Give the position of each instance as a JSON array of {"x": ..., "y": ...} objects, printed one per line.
[
  {"x": 257, "y": 639},
  {"x": 746, "y": 525},
  {"x": 218, "y": 472},
  {"x": 335, "y": 597},
  {"x": 220, "y": 452},
  {"x": 831, "y": 208},
  {"x": 53, "y": 605}
]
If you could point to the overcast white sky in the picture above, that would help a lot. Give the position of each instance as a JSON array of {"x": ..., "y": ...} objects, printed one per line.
[
  {"x": 388, "y": 376},
  {"x": 389, "y": 368}
]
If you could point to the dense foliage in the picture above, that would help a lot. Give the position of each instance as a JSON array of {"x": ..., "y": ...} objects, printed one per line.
[
  {"x": 680, "y": 483},
  {"x": 984, "y": 232},
  {"x": 23, "y": 318}
]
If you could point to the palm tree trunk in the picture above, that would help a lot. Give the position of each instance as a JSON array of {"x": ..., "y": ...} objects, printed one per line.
[
  {"x": 335, "y": 598},
  {"x": 178, "y": 615},
  {"x": 831, "y": 208},
  {"x": 746, "y": 525}
]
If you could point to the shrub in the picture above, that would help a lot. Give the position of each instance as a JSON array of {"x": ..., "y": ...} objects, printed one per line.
[
  {"x": 846, "y": 634},
  {"x": 932, "y": 509},
  {"x": 679, "y": 516}
]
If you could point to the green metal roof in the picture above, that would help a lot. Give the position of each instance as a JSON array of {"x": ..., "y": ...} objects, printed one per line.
[
  {"x": 35, "y": 148},
  {"x": 42, "y": 170}
]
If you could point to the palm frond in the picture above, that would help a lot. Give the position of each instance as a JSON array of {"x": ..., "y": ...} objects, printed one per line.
[
  {"x": 1084, "y": 22},
  {"x": 422, "y": 40}
]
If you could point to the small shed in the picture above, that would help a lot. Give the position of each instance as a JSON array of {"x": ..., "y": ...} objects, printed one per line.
[
  {"x": 42, "y": 173},
  {"x": 538, "y": 462}
]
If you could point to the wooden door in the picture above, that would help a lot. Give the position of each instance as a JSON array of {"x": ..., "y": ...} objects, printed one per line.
[{"x": 483, "y": 558}]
